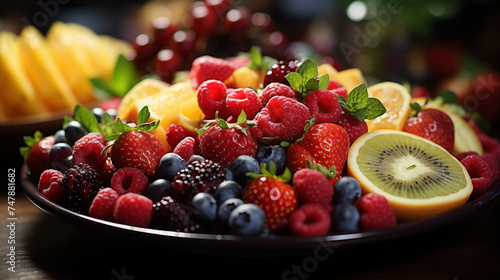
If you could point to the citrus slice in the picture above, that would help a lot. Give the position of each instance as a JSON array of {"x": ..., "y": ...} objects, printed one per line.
[
  {"x": 466, "y": 139},
  {"x": 396, "y": 100},
  {"x": 326, "y": 68},
  {"x": 128, "y": 111},
  {"x": 419, "y": 178},
  {"x": 349, "y": 78},
  {"x": 190, "y": 114}
]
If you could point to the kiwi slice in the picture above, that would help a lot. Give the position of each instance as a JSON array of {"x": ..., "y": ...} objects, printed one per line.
[{"x": 409, "y": 167}]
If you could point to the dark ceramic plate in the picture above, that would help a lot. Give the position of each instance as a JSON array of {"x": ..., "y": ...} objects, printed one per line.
[{"x": 217, "y": 244}]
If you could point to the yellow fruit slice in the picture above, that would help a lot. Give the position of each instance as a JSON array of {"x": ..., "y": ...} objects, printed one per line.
[
  {"x": 350, "y": 78},
  {"x": 128, "y": 111},
  {"x": 466, "y": 139},
  {"x": 162, "y": 135},
  {"x": 419, "y": 178},
  {"x": 190, "y": 114},
  {"x": 245, "y": 77},
  {"x": 38, "y": 63},
  {"x": 109, "y": 50},
  {"x": 17, "y": 94},
  {"x": 327, "y": 69},
  {"x": 396, "y": 100}
]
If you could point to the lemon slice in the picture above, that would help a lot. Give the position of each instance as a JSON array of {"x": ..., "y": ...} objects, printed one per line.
[
  {"x": 396, "y": 100},
  {"x": 419, "y": 178},
  {"x": 349, "y": 78}
]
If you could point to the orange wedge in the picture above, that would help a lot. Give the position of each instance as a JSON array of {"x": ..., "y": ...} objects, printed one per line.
[
  {"x": 418, "y": 178},
  {"x": 396, "y": 99},
  {"x": 190, "y": 114}
]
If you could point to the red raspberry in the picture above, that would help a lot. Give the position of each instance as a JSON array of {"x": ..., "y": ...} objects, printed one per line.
[
  {"x": 175, "y": 133},
  {"x": 310, "y": 220},
  {"x": 103, "y": 205},
  {"x": 324, "y": 105},
  {"x": 245, "y": 99},
  {"x": 133, "y": 209},
  {"x": 50, "y": 184},
  {"x": 129, "y": 180},
  {"x": 283, "y": 117},
  {"x": 88, "y": 150},
  {"x": 480, "y": 174},
  {"x": 312, "y": 187},
  {"x": 210, "y": 68},
  {"x": 186, "y": 148},
  {"x": 211, "y": 96},
  {"x": 376, "y": 212},
  {"x": 275, "y": 89},
  {"x": 353, "y": 126},
  {"x": 493, "y": 165},
  {"x": 490, "y": 145}
]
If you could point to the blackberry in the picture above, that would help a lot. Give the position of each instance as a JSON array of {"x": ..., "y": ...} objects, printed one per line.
[
  {"x": 168, "y": 214},
  {"x": 79, "y": 186},
  {"x": 279, "y": 71},
  {"x": 198, "y": 177}
]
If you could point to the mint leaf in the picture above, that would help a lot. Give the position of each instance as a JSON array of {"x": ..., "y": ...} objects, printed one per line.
[
  {"x": 87, "y": 119},
  {"x": 358, "y": 96},
  {"x": 374, "y": 109},
  {"x": 143, "y": 115},
  {"x": 311, "y": 85},
  {"x": 148, "y": 126},
  {"x": 448, "y": 97},
  {"x": 242, "y": 118},
  {"x": 324, "y": 81},
  {"x": 295, "y": 81},
  {"x": 360, "y": 106},
  {"x": 308, "y": 70},
  {"x": 124, "y": 78},
  {"x": 255, "y": 58},
  {"x": 120, "y": 127}
]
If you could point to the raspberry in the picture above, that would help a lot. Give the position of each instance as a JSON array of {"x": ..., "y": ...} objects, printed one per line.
[
  {"x": 312, "y": 187},
  {"x": 310, "y": 220},
  {"x": 133, "y": 209},
  {"x": 129, "y": 180},
  {"x": 175, "y": 133},
  {"x": 353, "y": 126},
  {"x": 88, "y": 150},
  {"x": 79, "y": 186},
  {"x": 279, "y": 71},
  {"x": 245, "y": 99},
  {"x": 186, "y": 148},
  {"x": 169, "y": 215},
  {"x": 324, "y": 105},
  {"x": 210, "y": 68},
  {"x": 275, "y": 89},
  {"x": 337, "y": 87},
  {"x": 198, "y": 177},
  {"x": 103, "y": 205},
  {"x": 480, "y": 174},
  {"x": 49, "y": 184},
  {"x": 211, "y": 96},
  {"x": 376, "y": 212},
  {"x": 490, "y": 145},
  {"x": 282, "y": 117},
  {"x": 493, "y": 166}
]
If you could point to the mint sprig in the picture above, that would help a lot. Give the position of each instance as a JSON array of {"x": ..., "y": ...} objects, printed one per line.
[
  {"x": 305, "y": 79},
  {"x": 124, "y": 78},
  {"x": 360, "y": 105},
  {"x": 270, "y": 171},
  {"x": 119, "y": 127},
  {"x": 30, "y": 141},
  {"x": 242, "y": 119},
  {"x": 87, "y": 119},
  {"x": 257, "y": 61}
]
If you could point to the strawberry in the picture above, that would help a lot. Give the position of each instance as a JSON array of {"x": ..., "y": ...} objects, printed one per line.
[
  {"x": 273, "y": 195},
  {"x": 297, "y": 157},
  {"x": 433, "y": 125},
  {"x": 485, "y": 95},
  {"x": 222, "y": 142},
  {"x": 136, "y": 146},
  {"x": 37, "y": 153},
  {"x": 208, "y": 68}
]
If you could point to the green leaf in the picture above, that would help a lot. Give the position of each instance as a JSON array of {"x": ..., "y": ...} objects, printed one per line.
[
  {"x": 358, "y": 97},
  {"x": 448, "y": 97},
  {"x": 323, "y": 82},
  {"x": 222, "y": 123},
  {"x": 87, "y": 119},
  {"x": 112, "y": 137},
  {"x": 256, "y": 58},
  {"x": 416, "y": 107},
  {"x": 295, "y": 81},
  {"x": 124, "y": 76},
  {"x": 359, "y": 114},
  {"x": 311, "y": 85},
  {"x": 24, "y": 151},
  {"x": 308, "y": 70},
  {"x": 102, "y": 85},
  {"x": 374, "y": 108},
  {"x": 242, "y": 118},
  {"x": 120, "y": 127},
  {"x": 143, "y": 115}
]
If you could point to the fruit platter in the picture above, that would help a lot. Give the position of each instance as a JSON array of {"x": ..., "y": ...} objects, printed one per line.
[{"x": 250, "y": 154}]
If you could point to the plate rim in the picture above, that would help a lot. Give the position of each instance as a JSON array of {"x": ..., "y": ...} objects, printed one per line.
[{"x": 226, "y": 244}]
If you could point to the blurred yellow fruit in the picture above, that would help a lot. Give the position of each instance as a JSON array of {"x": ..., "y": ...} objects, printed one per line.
[
  {"x": 191, "y": 115},
  {"x": 349, "y": 78},
  {"x": 396, "y": 100},
  {"x": 327, "y": 69},
  {"x": 49, "y": 84},
  {"x": 17, "y": 94},
  {"x": 245, "y": 77},
  {"x": 161, "y": 133}
]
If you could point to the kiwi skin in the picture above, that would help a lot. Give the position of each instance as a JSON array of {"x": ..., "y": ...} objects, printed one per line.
[{"x": 409, "y": 209}]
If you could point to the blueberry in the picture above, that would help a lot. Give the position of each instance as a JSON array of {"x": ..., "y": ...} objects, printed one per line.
[
  {"x": 170, "y": 165},
  {"x": 345, "y": 218},
  {"x": 277, "y": 154},
  {"x": 60, "y": 136},
  {"x": 205, "y": 207},
  {"x": 60, "y": 157},
  {"x": 158, "y": 189},
  {"x": 347, "y": 189},
  {"x": 98, "y": 113},
  {"x": 241, "y": 166},
  {"x": 226, "y": 208},
  {"x": 229, "y": 174},
  {"x": 73, "y": 131},
  {"x": 226, "y": 190},
  {"x": 112, "y": 113},
  {"x": 247, "y": 220}
]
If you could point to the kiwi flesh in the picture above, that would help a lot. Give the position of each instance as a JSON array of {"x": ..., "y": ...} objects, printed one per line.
[{"x": 409, "y": 167}]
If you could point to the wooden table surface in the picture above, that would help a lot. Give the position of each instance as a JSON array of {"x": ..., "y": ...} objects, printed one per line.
[{"x": 47, "y": 247}]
